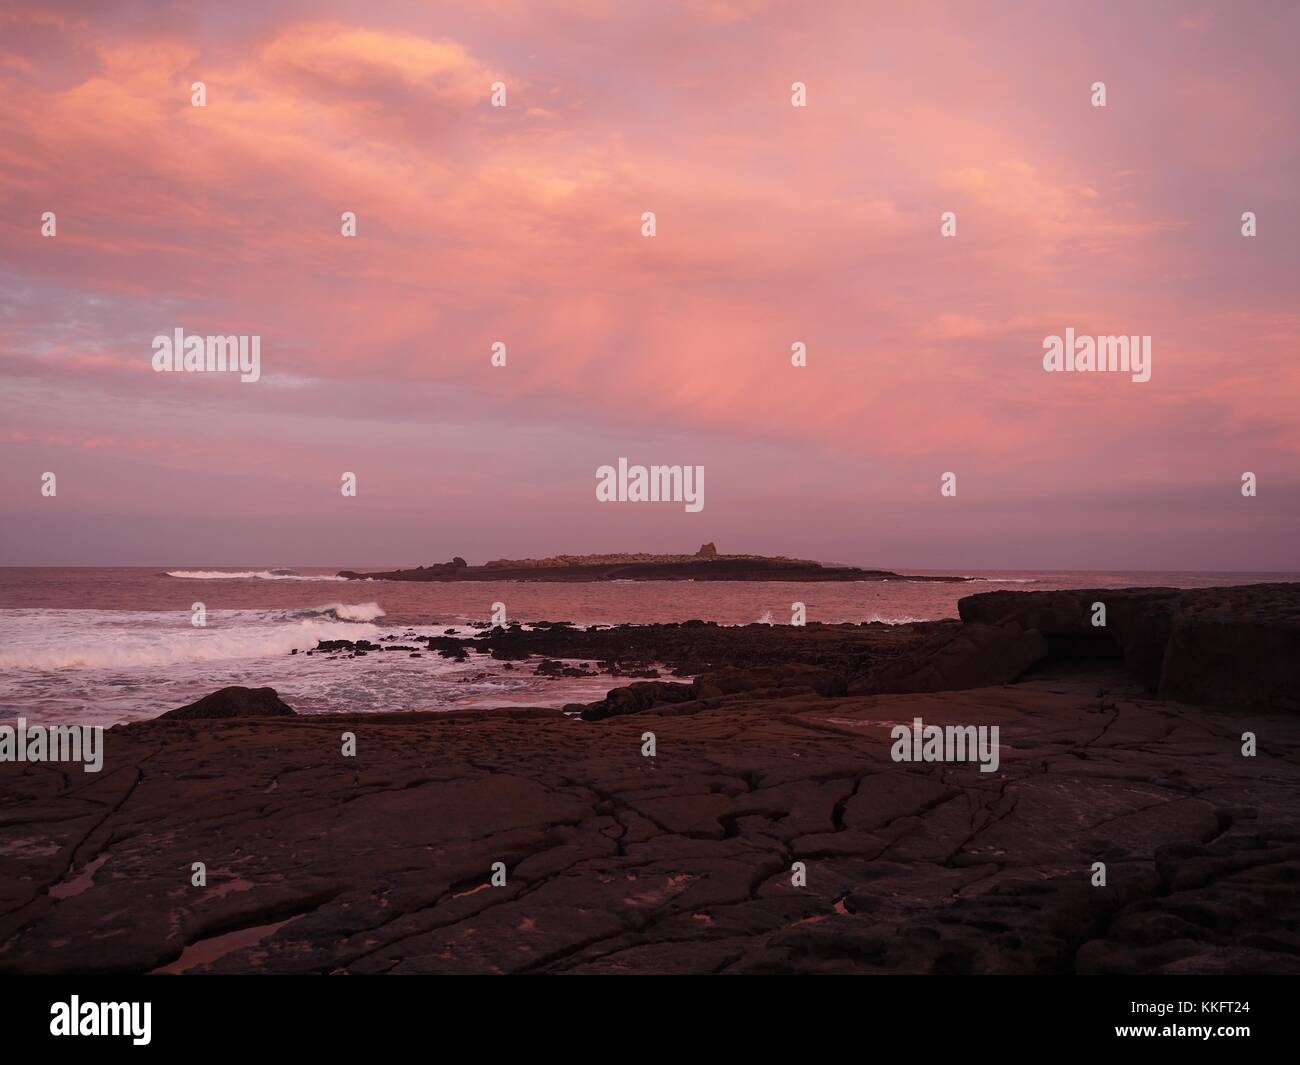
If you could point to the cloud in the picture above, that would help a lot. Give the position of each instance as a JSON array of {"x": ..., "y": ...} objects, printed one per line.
[{"x": 522, "y": 224}]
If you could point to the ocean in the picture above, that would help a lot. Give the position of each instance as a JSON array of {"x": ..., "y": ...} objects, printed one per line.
[{"x": 106, "y": 645}]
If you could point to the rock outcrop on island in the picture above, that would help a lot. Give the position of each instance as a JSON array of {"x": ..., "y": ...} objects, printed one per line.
[{"x": 705, "y": 565}]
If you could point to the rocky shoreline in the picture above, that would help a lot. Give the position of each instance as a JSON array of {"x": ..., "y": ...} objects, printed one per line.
[{"x": 1121, "y": 744}]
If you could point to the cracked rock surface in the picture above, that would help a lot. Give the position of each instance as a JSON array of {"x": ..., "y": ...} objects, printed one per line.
[{"x": 620, "y": 863}]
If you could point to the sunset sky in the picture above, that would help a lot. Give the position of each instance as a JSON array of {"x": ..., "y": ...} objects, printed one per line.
[{"x": 775, "y": 224}]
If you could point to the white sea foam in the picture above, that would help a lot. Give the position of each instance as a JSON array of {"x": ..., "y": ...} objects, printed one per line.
[
  {"x": 343, "y": 611},
  {"x": 104, "y": 666},
  {"x": 107, "y": 639},
  {"x": 247, "y": 574}
]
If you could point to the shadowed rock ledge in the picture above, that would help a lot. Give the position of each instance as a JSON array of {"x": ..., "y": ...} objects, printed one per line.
[{"x": 1238, "y": 645}]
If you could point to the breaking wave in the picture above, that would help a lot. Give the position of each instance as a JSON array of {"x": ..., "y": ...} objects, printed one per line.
[
  {"x": 342, "y": 612},
  {"x": 112, "y": 639},
  {"x": 247, "y": 575}
]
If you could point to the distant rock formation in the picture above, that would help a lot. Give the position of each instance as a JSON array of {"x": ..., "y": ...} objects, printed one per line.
[
  {"x": 706, "y": 553},
  {"x": 705, "y": 565}
]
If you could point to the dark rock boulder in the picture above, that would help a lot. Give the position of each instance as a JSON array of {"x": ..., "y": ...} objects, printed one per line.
[
  {"x": 233, "y": 702},
  {"x": 636, "y": 697}
]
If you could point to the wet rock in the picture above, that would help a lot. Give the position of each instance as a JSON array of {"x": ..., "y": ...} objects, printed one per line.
[
  {"x": 233, "y": 702},
  {"x": 550, "y": 667},
  {"x": 635, "y": 697}
]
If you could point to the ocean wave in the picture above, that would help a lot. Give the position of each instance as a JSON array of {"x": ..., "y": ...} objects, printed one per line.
[
  {"x": 342, "y": 612},
  {"x": 247, "y": 575},
  {"x": 107, "y": 639}
]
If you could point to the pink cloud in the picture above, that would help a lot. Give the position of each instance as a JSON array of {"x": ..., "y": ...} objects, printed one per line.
[{"x": 776, "y": 225}]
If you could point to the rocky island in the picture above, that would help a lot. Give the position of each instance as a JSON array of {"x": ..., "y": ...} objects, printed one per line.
[{"x": 705, "y": 565}]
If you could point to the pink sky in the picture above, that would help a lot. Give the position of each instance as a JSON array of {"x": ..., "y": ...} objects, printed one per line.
[{"x": 775, "y": 225}]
